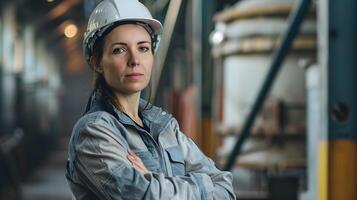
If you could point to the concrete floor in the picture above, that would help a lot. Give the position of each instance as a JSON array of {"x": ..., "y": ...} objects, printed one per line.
[{"x": 49, "y": 182}]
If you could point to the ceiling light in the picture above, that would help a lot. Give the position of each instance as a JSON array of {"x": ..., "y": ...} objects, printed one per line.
[
  {"x": 50, "y": 1},
  {"x": 70, "y": 31}
]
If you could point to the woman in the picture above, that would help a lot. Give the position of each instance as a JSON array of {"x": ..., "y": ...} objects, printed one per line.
[{"x": 122, "y": 147}]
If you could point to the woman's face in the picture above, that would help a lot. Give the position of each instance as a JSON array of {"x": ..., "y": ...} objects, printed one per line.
[{"x": 127, "y": 59}]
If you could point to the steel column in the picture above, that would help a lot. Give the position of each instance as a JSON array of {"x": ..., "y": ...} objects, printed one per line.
[
  {"x": 338, "y": 61},
  {"x": 160, "y": 57}
]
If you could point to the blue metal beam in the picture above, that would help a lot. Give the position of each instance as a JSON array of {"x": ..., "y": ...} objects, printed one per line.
[{"x": 342, "y": 69}]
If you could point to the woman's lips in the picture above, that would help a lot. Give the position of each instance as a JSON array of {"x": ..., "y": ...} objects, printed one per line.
[{"x": 134, "y": 76}]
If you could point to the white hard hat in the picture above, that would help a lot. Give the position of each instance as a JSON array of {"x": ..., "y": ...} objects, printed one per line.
[{"x": 109, "y": 13}]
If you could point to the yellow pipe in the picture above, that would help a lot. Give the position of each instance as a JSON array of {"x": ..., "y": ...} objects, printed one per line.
[
  {"x": 337, "y": 170},
  {"x": 322, "y": 170}
]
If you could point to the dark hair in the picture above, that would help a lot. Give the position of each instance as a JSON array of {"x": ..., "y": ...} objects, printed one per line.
[{"x": 100, "y": 83}]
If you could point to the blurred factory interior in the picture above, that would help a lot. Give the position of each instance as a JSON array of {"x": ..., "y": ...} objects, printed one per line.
[{"x": 265, "y": 87}]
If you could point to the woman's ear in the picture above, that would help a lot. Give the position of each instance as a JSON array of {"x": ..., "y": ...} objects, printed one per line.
[{"x": 95, "y": 65}]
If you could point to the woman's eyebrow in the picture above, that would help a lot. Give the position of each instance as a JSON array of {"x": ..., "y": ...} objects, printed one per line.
[
  {"x": 125, "y": 44},
  {"x": 143, "y": 42},
  {"x": 119, "y": 43}
]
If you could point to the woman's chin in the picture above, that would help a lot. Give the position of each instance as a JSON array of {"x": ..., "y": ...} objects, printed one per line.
[{"x": 132, "y": 89}]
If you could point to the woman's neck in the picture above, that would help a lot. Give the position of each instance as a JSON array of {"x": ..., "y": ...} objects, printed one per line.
[{"x": 129, "y": 104}]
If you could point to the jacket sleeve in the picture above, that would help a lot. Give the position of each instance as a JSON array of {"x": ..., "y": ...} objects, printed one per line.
[
  {"x": 197, "y": 164},
  {"x": 102, "y": 165}
]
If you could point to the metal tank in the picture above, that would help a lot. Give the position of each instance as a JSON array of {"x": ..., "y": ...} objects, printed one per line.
[{"x": 245, "y": 37}]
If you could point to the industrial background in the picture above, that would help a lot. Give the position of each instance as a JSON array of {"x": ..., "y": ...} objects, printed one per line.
[{"x": 267, "y": 88}]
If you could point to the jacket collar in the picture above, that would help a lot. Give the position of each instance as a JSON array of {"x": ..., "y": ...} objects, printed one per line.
[{"x": 154, "y": 117}]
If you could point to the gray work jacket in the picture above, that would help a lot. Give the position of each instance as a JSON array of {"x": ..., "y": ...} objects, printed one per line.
[{"x": 98, "y": 167}]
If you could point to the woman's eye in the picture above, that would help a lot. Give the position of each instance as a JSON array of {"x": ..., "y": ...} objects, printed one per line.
[
  {"x": 118, "y": 50},
  {"x": 144, "y": 49}
]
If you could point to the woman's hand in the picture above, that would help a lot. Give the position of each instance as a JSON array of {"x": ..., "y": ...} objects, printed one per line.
[{"x": 137, "y": 163}]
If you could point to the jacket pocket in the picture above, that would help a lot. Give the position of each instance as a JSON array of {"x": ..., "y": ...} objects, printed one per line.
[
  {"x": 176, "y": 160},
  {"x": 149, "y": 161}
]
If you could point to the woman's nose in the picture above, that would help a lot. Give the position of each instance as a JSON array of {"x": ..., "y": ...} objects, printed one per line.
[{"x": 133, "y": 59}]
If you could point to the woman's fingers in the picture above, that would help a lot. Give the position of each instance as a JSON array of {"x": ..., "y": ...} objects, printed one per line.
[
  {"x": 131, "y": 152},
  {"x": 141, "y": 168},
  {"x": 137, "y": 162}
]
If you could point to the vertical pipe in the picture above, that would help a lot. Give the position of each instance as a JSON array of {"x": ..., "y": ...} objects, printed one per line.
[
  {"x": 322, "y": 191},
  {"x": 197, "y": 56}
]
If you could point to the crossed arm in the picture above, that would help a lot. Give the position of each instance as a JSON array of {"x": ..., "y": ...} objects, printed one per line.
[{"x": 112, "y": 171}]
